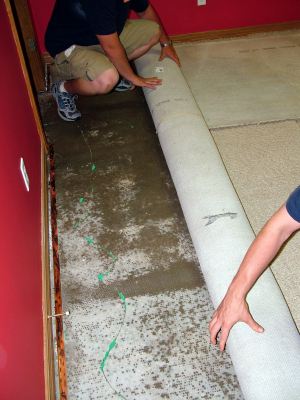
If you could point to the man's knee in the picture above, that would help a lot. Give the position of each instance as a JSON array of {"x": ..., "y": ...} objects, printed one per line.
[{"x": 105, "y": 82}]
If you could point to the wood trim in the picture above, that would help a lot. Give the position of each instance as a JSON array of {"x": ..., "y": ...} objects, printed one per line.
[
  {"x": 30, "y": 45},
  {"x": 49, "y": 369},
  {"x": 32, "y": 99},
  {"x": 237, "y": 32},
  {"x": 47, "y": 59},
  {"x": 218, "y": 34},
  {"x": 62, "y": 370}
]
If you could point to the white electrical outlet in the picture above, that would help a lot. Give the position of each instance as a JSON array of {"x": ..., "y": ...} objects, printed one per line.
[
  {"x": 201, "y": 2},
  {"x": 24, "y": 173}
]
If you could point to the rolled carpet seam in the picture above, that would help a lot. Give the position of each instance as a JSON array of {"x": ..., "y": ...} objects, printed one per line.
[{"x": 267, "y": 365}]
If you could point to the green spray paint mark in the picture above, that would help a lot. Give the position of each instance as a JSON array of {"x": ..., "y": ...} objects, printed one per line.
[
  {"x": 112, "y": 256},
  {"x": 123, "y": 299},
  {"x": 110, "y": 347},
  {"x": 89, "y": 240},
  {"x": 76, "y": 225},
  {"x": 102, "y": 276}
]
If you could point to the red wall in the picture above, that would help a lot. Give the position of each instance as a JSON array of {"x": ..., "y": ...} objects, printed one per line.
[
  {"x": 184, "y": 16},
  {"x": 21, "y": 331},
  {"x": 181, "y": 17}
]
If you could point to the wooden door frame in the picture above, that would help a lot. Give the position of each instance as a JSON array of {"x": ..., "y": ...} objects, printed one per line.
[{"x": 27, "y": 37}]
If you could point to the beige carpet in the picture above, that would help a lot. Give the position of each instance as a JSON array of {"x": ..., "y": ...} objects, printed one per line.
[
  {"x": 245, "y": 80},
  {"x": 264, "y": 165},
  {"x": 243, "y": 86}
]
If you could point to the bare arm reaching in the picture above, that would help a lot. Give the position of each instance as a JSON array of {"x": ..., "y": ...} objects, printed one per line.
[
  {"x": 264, "y": 248},
  {"x": 167, "y": 50}
]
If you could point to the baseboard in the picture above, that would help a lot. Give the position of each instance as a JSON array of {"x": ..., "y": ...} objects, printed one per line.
[
  {"x": 60, "y": 342},
  {"x": 49, "y": 368},
  {"x": 218, "y": 34},
  {"x": 236, "y": 32}
]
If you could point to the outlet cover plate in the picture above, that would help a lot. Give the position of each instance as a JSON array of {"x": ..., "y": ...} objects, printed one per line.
[{"x": 24, "y": 173}]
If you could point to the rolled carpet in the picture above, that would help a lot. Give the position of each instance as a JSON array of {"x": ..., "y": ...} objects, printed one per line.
[{"x": 267, "y": 365}]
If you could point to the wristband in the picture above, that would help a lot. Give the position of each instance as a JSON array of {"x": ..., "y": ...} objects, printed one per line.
[{"x": 166, "y": 44}]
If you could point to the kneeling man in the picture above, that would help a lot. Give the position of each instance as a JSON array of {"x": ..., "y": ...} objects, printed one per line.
[{"x": 92, "y": 43}]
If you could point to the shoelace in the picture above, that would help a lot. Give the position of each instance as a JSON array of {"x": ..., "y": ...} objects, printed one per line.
[{"x": 68, "y": 101}]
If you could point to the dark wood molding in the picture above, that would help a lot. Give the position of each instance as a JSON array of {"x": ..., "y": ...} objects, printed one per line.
[
  {"x": 218, "y": 34},
  {"x": 205, "y": 36},
  {"x": 61, "y": 357},
  {"x": 28, "y": 40},
  {"x": 49, "y": 368},
  {"x": 236, "y": 32},
  {"x": 32, "y": 98}
]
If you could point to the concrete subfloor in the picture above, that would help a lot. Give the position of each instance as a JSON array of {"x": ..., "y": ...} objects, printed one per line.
[{"x": 130, "y": 276}]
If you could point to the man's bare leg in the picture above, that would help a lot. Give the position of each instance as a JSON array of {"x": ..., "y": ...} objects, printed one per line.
[{"x": 104, "y": 83}]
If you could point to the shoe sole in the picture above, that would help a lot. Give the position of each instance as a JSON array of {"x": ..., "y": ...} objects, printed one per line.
[
  {"x": 126, "y": 89},
  {"x": 66, "y": 119}
]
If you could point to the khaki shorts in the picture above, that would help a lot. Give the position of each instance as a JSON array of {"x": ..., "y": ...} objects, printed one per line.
[{"x": 88, "y": 62}]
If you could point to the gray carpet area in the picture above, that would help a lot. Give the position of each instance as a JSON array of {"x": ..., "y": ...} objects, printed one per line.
[{"x": 138, "y": 327}]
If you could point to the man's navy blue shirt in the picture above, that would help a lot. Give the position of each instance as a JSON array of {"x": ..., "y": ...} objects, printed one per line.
[
  {"x": 293, "y": 204},
  {"x": 79, "y": 21}
]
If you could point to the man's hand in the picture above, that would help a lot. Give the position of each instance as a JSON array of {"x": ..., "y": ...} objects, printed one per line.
[
  {"x": 149, "y": 83},
  {"x": 167, "y": 51},
  {"x": 229, "y": 312},
  {"x": 116, "y": 53},
  {"x": 263, "y": 249},
  {"x": 170, "y": 52}
]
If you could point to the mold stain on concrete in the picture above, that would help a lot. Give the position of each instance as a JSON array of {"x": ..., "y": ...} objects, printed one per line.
[{"x": 163, "y": 349}]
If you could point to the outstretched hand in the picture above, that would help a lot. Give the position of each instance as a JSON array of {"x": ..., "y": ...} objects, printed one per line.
[
  {"x": 229, "y": 312},
  {"x": 150, "y": 83},
  {"x": 169, "y": 52}
]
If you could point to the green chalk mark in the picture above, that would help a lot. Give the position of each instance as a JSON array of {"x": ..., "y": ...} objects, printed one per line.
[
  {"x": 123, "y": 299},
  {"x": 100, "y": 277},
  {"x": 89, "y": 240},
  {"x": 76, "y": 225},
  {"x": 112, "y": 256},
  {"x": 110, "y": 347},
  {"x": 93, "y": 167},
  {"x": 81, "y": 200}
]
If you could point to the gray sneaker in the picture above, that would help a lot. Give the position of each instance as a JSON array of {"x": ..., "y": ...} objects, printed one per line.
[
  {"x": 66, "y": 106},
  {"x": 124, "y": 85}
]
